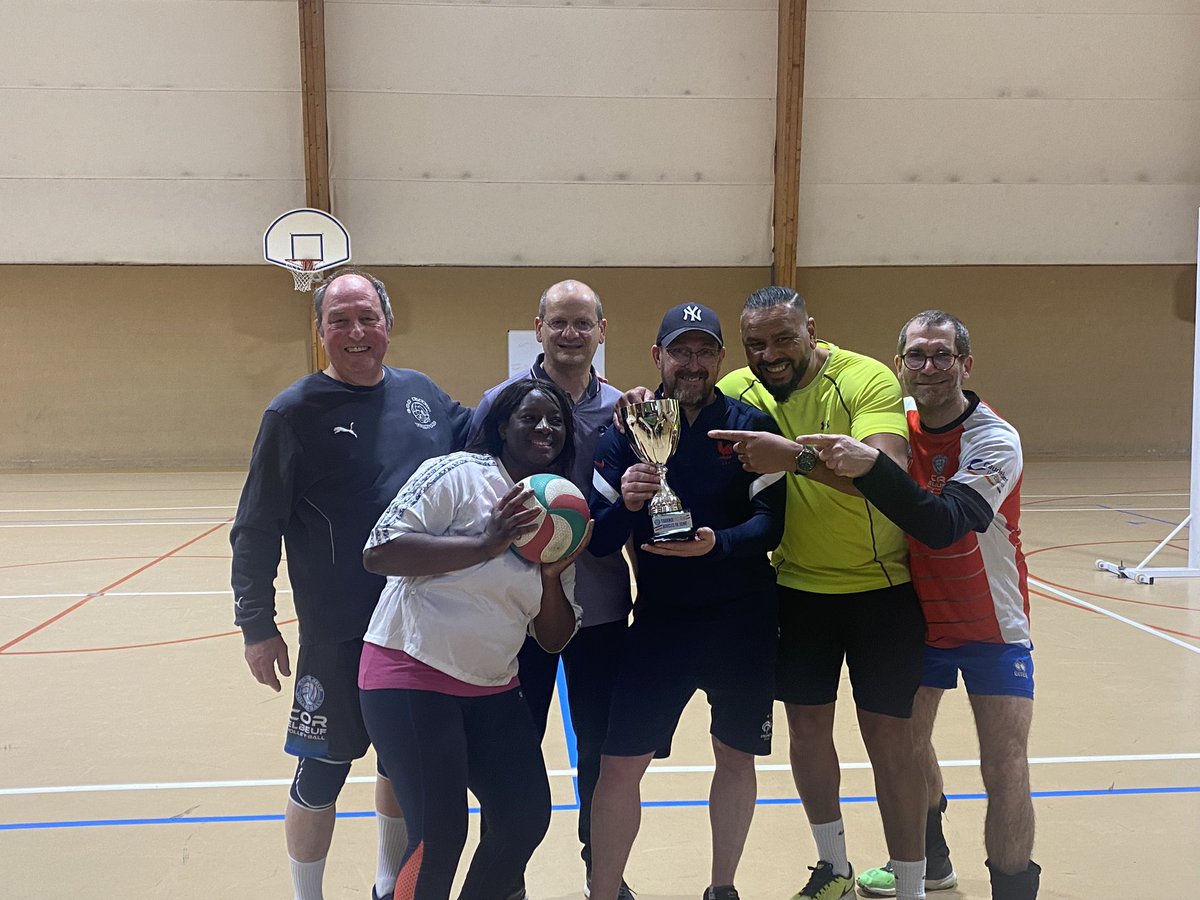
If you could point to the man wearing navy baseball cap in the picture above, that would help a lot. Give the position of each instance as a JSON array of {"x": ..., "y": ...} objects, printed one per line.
[{"x": 706, "y": 615}]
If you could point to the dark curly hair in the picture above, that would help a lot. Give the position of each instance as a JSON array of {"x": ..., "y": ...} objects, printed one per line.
[{"x": 489, "y": 441}]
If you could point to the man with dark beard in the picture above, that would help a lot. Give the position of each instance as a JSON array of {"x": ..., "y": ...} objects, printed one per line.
[
  {"x": 844, "y": 585},
  {"x": 705, "y": 616}
]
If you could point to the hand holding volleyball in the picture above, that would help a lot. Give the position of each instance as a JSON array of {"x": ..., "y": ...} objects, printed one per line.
[{"x": 560, "y": 527}]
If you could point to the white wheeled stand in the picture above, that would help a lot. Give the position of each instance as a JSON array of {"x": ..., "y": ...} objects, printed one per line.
[{"x": 1143, "y": 572}]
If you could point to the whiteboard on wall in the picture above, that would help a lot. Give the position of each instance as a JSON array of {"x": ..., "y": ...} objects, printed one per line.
[{"x": 523, "y": 349}]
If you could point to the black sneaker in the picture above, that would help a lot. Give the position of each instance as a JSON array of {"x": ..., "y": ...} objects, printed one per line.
[
  {"x": 725, "y": 892},
  {"x": 624, "y": 893},
  {"x": 375, "y": 896}
]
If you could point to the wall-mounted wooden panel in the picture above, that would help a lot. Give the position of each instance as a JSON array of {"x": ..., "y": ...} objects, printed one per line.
[
  {"x": 425, "y": 137},
  {"x": 416, "y": 223}
]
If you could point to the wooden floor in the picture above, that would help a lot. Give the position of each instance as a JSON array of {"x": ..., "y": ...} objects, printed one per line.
[{"x": 139, "y": 759}]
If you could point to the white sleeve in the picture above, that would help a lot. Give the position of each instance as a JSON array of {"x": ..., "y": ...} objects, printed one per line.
[
  {"x": 427, "y": 503},
  {"x": 990, "y": 462}
]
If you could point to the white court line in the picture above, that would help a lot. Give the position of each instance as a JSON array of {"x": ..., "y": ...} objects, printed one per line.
[
  {"x": 158, "y": 523},
  {"x": 1113, "y": 493},
  {"x": 565, "y": 773},
  {"x": 1112, "y": 615},
  {"x": 1100, "y": 509},
  {"x": 71, "y": 595},
  {"x": 115, "y": 509}
]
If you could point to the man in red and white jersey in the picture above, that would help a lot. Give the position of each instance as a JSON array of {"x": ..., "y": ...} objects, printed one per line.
[{"x": 960, "y": 504}]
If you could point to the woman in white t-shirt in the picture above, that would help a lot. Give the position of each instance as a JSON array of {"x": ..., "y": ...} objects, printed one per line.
[{"x": 438, "y": 677}]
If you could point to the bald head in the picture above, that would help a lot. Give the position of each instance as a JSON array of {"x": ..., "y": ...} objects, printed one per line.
[{"x": 570, "y": 289}]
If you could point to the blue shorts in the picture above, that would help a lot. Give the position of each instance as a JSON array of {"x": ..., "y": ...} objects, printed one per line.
[{"x": 1004, "y": 670}]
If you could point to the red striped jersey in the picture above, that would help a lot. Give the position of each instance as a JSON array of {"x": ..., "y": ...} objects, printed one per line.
[{"x": 975, "y": 589}]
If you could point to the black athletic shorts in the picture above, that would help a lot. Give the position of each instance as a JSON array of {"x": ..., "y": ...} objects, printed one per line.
[
  {"x": 326, "y": 719},
  {"x": 731, "y": 657},
  {"x": 880, "y": 634}
]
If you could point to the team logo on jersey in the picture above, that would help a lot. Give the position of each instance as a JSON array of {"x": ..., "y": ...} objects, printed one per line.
[
  {"x": 421, "y": 413},
  {"x": 309, "y": 693},
  {"x": 725, "y": 450},
  {"x": 939, "y": 464},
  {"x": 345, "y": 429},
  {"x": 988, "y": 471}
]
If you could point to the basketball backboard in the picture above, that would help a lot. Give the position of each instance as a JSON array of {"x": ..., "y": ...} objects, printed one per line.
[{"x": 306, "y": 241}]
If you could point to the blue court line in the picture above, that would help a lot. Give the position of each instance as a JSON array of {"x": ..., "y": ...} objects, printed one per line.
[
  {"x": 1130, "y": 512},
  {"x": 567, "y": 807},
  {"x": 568, "y": 727}
]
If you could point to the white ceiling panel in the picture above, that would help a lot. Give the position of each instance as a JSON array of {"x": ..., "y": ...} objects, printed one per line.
[
  {"x": 543, "y": 51},
  {"x": 965, "y": 224},
  {"x": 551, "y": 139},
  {"x": 417, "y": 223}
]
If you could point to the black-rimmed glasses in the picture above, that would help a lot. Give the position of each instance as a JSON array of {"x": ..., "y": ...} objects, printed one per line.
[{"x": 942, "y": 360}]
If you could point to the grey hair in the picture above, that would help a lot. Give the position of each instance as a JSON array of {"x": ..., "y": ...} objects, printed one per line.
[
  {"x": 775, "y": 295},
  {"x": 546, "y": 295},
  {"x": 935, "y": 318},
  {"x": 380, "y": 290}
]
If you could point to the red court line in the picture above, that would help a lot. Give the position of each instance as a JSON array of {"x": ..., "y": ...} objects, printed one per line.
[
  {"x": 70, "y": 609},
  {"x": 1066, "y": 587}
]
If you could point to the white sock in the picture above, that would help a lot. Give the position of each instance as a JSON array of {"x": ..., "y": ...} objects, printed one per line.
[
  {"x": 910, "y": 879},
  {"x": 393, "y": 840},
  {"x": 307, "y": 878},
  {"x": 831, "y": 846}
]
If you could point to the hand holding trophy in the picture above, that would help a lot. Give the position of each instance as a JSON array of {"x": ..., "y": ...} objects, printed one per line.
[{"x": 653, "y": 429}]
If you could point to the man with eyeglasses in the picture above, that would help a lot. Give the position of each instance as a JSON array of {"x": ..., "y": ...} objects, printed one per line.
[
  {"x": 706, "y": 615},
  {"x": 844, "y": 585},
  {"x": 570, "y": 326},
  {"x": 960, "y": 502}
]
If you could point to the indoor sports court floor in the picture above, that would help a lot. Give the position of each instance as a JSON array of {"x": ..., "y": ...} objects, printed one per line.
[{"x": 139, "y": 759}]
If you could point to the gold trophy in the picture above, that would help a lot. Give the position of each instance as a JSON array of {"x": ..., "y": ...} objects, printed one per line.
[{"x": 653, "y": 429}]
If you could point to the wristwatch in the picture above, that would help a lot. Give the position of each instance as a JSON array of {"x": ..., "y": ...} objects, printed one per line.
[{"x": 806, "y": 459}]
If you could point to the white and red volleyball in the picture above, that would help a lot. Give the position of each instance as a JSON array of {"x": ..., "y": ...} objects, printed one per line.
[{"x": 562, "y": 523}]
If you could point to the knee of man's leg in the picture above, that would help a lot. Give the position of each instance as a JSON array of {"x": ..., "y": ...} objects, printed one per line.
[{"x": 318, "y": 783}]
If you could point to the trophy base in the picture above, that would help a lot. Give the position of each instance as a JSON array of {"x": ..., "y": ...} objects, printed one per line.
[{"x": 672, "y": 526}]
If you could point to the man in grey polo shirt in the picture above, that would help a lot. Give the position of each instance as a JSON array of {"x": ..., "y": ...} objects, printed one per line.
[{"x": 570, "y": 325}]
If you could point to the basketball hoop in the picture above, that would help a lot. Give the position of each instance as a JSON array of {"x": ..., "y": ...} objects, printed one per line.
[
  {"x": 302, "y": 273},
  {"x": 306, "y": 242}
]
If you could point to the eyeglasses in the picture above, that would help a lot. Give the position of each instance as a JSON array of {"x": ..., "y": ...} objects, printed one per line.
[
  {"x": 581, "y": 326},
  {"x": 942, "y": 360},
  {"x": 707, "y": 356}
]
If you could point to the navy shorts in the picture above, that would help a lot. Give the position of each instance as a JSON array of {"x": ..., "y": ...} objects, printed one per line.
[
  {"x": 326, "y": 718},
  {"x": 879, "y": 634},
  {"x": 729, "y": 656},
  {"x": 1002, "y": 670}
]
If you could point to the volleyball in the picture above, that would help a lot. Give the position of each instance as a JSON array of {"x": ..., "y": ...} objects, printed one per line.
[{"x": 561, "y": 524}]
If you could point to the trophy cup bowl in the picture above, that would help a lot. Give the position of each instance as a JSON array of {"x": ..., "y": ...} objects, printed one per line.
[{"x": 653, "y": 429}]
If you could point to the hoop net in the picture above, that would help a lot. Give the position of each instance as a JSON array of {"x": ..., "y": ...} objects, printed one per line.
[{"x": 302, "y": 273}]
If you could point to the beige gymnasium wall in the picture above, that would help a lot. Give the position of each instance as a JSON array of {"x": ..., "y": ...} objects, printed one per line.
[{"x": 132, "y": 367}]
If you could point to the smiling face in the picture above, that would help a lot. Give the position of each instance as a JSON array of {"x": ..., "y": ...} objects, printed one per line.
[
  {"x": 570, "y": 331},
  {"x": 938, "y": 393},
  {"x": 780, "y": 342},
  {"x": 533, "y": 436},
  {"x": 689, "y": 367},
  {"x": 354, "y": 331}
]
